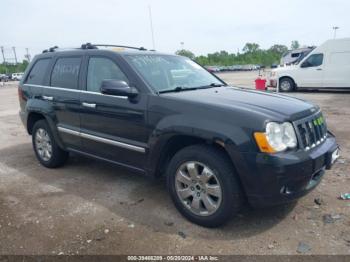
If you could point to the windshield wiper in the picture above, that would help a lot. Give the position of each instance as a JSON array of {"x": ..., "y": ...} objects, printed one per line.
[
  {"x": 210, "y": 86},
  {"x": 216, "y": 85},
  {"x": 177, "y": 89},
  {"x": 182, "y": 88}
]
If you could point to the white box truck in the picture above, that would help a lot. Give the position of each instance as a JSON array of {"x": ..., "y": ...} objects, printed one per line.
[{"x": 327, "y": 66}]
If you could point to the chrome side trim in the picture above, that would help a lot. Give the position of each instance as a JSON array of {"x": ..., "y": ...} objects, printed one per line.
[
  {"x": 75, "y": 90},
  {"x": 102, "y": 140},
  {"x": 113, "y": 142},
  {"x": 68, "y": 131}
]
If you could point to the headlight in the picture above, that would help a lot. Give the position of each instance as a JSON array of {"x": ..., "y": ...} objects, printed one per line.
[{"x": 277, "y": 137}]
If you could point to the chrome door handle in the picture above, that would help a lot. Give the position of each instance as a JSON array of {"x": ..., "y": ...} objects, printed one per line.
[
  {"x": 48, "y": 98},
  {"x": 88, "y": 105}
]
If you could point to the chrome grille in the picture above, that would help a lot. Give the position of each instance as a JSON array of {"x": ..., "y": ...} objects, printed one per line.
[{"x": 311, "y": 131}]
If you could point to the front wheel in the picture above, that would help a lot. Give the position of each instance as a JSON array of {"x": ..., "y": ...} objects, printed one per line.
[
  {"x": 203, "y": 185},
  {"x": 286, "y": 85}
]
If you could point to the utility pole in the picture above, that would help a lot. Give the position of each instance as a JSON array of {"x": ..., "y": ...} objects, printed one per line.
[
  {"x": 14, "y": 51},
  {"x": 28, "y": 55},
  {"x": 3, "y": 55},
  {"x": 151, "y": 23},
  {"x": 182, "y": 45},
  {"x": 335, "y": 28}
]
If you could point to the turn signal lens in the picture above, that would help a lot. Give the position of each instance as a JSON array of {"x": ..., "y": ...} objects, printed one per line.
[{"x": 262, "y": 142}]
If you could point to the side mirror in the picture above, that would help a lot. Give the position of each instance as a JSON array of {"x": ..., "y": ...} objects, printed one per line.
[
  {"x": 117, "y": 88},
  {"x": 305, "y": 64}
]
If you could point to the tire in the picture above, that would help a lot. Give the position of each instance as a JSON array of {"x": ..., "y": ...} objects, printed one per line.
[
  {"x": 286, "y": 85},
  {"x": 47, "y": 144},
  {"x": 230, "y": 198}
]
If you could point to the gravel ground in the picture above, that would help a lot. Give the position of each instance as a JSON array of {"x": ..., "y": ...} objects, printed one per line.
[{"x": 90, "y": 207}]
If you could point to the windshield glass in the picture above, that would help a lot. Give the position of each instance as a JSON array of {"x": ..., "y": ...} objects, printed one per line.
[{"x": 167, "y": 72}]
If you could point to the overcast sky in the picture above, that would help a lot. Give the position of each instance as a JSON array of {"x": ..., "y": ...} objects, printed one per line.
[{"x": 204, "y": 26}]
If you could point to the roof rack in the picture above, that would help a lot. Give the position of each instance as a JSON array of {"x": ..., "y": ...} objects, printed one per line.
[
  {"x": 51, "y": 49},
  {"x": 94, "y": 46}
]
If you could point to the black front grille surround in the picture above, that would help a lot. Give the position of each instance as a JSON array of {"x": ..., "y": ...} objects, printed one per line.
[{"x": 311, "y": 131}]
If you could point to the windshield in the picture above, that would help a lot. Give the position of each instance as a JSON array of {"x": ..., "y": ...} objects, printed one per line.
[{"x": 167, "y": 72}]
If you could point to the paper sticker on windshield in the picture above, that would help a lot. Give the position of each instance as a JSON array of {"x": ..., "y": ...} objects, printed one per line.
[{"x": 193, "y": 63}]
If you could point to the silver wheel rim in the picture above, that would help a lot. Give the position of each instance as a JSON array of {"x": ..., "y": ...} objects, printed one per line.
[
  {"x": 285, "y": 85},
  {"x": 43, "y": 144},
  {"x": 198, "y": 188}
]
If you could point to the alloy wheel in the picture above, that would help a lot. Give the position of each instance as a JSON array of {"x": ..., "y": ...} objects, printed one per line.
[
  {"x": 286, "y": 86},
  {"x": 198, "y": 188},
  {"x": 43, "y": 144}
]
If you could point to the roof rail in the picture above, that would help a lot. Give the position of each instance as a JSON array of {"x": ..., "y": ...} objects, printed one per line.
[
  {"x": 94, "y": 46},
  {"x": 51, "y": 49},
  {"x": 88, "y": 46}
]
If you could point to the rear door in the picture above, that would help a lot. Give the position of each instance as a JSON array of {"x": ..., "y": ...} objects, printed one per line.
[
  {"x": 64, "y": 93},
  {"x": 112, "y": 127},
  {"x": 311, "y": 71}
]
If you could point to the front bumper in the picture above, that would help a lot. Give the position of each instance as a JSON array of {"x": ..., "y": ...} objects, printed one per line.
[{"x": 272, "y": 179}]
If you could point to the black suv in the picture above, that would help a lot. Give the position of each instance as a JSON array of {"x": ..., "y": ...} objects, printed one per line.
[{"x": 165, "y": 115}]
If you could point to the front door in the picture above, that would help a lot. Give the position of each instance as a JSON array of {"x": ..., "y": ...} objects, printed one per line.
[
  {"x": 311, "y": 72},
  {"x": 112, "y": 127}
]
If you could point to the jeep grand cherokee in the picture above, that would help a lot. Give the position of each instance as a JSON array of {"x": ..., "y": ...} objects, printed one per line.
[{"x": 165, "y": 115}]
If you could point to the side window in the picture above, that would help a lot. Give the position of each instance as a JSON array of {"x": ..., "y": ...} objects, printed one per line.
[
  {"x": 66, "y": 72},
  {"x": 99, "y": 69},
  {"x": 37, "y": 74},
  {"x": 313, "y": 60}
]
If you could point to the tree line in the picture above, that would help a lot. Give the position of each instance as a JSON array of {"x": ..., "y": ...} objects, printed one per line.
[
  {"x": 251, "y": 54},
  {"x": 7, "y": 68}
]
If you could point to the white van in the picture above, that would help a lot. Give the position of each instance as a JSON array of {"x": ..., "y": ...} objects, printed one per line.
[
  {"x": 327, "y": 66},
  {"x": 17, "y": 76}
]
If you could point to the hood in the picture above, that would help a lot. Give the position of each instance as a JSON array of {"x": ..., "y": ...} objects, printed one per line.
[{"x": 272, "y": 105}]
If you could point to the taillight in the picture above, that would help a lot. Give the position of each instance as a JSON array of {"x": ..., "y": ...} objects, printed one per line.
[{"x": 21, "y": 94}]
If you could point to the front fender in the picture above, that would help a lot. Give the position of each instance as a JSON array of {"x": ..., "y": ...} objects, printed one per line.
[{"x": 209, "y": 130}]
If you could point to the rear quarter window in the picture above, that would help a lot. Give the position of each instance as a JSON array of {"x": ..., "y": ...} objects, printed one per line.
[
  {"x": 38, "y": 72},
  {"x": 65, "y": 73}
]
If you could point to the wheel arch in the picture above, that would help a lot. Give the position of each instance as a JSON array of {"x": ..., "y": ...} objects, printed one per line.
[
  {"x": 34, "y": 116},
  {"x": 170, "y": 145}
]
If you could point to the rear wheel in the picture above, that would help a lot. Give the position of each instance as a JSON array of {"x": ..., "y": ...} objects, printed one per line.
[
  {"x": 203, "y": 185},
  {"x": 45, "y": 147},
  {"x": 286, "y": 85}
]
